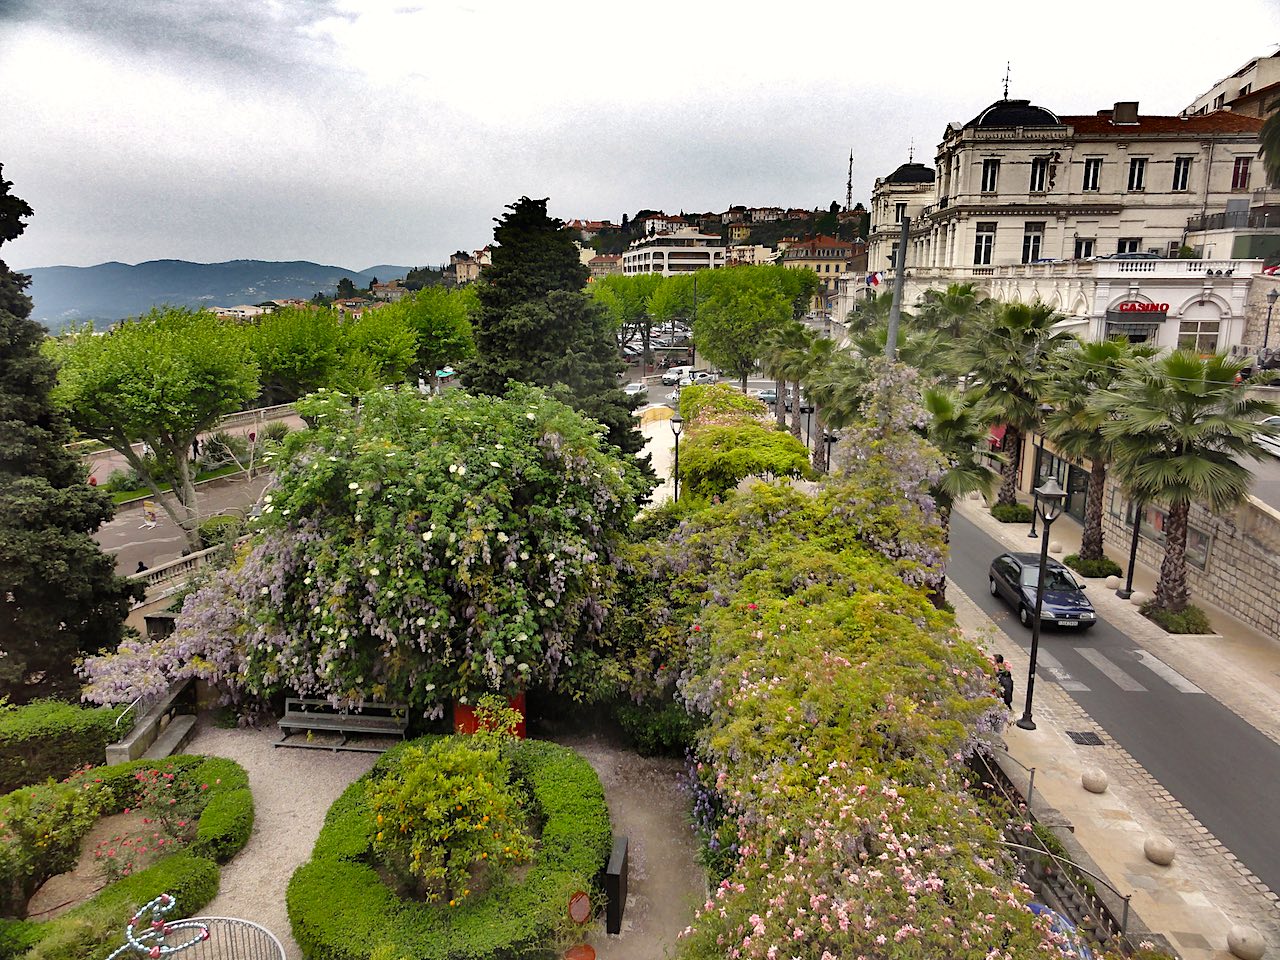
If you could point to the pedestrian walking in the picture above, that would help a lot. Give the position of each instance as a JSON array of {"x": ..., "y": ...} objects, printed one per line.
[{"x": 1005, "y": 681}]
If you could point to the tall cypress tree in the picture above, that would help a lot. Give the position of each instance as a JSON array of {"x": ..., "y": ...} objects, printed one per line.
[
  {"x": 59, "y": 593},
  {"x": 537, "y": 324}
]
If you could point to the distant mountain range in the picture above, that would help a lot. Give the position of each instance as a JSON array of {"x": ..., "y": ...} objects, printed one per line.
[{"x": 111, "y": 291}]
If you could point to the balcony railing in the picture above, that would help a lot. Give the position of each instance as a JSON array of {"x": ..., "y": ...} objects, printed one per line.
[
  {"x": 1148, "y": 269},
  {"x": 1235, "y": 220}
]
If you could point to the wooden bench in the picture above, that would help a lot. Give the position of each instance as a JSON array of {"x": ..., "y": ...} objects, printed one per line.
[{"x": 379, "y": 719}]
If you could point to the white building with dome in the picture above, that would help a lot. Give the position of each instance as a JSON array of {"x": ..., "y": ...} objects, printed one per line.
[{"x": 1028, "y": 204}]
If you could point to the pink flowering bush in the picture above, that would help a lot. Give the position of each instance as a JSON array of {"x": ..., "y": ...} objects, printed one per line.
[{"x": 413, "y": 549}]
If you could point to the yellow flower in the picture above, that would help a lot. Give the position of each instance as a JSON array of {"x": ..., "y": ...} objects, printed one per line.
[{"x": 379, "y": 834}]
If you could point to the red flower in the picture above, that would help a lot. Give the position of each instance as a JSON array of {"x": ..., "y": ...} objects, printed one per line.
[
  {"x": 752, "y": 606},
  {"x": 697, "y": 628}
]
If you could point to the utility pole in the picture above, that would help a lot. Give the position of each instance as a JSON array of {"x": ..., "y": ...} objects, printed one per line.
[{"x": 895, "y": 308}]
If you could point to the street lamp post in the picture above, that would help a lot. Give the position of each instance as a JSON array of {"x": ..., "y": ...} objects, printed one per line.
[
  {"x": 1127, "y": 591},
  {"x": 1044, "y": 409},
  {"x": 1049, "y": 502},
  {"x": 677, "y": 424},
  {"x": 807, "y": 410},
  {"x": 828, "y": 438},
  {"x": 1272, "y": 295}
]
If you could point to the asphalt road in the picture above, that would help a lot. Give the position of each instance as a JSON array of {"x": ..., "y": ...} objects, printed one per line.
[{"x": 1217, "y": 766}]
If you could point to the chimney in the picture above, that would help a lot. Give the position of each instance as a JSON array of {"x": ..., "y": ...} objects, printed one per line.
[{"x": 1126, "y": 111}]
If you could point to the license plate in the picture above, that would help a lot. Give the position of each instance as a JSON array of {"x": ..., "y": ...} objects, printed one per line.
[{"x": 1068, "y": 623}]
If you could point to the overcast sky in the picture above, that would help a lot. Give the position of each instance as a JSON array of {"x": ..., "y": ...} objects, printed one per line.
[{"x": 359, "y": 132}]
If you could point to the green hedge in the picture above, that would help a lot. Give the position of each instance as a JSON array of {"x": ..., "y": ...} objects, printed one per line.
[
  {"x": 191, "y": 875},
  {"x": 657, "y": 728},
  {"x": 50, "y": 738},
  {"x": 1012, "y": 512},
  {"x": 341, "y": 910},
  {"x": 1103, "y": 567}
]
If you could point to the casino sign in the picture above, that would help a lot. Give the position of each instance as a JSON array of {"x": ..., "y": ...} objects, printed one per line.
[{"x": 1135, "y": 319}]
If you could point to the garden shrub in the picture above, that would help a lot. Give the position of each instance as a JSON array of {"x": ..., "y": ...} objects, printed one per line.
[
  {"x": 219, "y": 530},
  {"x": 829, "y": 783},
  {"x": 716, "y": 459},
  {"x": 45, "y": 824},
  {"x": 1191, "y": 619},
  {"x": 657, "y": 727},
  {"x": 1103, "y": 567},
  {"x": 274, "y": 432},
  {"x": 50, "y": 738},
  {"x": 340, "y": 908},
  {"x": 1012, "y": 512}
]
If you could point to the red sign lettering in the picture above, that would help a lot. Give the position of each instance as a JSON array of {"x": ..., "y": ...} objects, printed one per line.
[{"x": 1135, "y": 307}]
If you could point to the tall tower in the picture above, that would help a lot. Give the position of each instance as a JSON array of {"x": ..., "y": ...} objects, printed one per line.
[{"x": 848, "y": 188}]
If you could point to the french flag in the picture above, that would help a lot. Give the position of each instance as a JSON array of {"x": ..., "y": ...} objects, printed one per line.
[{"x": 873, "y": 279}]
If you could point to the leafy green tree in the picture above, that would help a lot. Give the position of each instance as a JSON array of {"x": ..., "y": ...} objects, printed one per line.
[
  {"x": 817, "y": 366},
  {"x": 1078, "y": 378},
  {"x": 346, "y": 289},
  {"x": 1179, "y": 426},
  {"x": 62, "y": 595},
  {"x": 716, "y": 459},
  {"x": 536, "y": 324},
  {"x": 779, "y": 345},
  {"x": 440, "y": 319},
  {"x": 1008, "y": 358},
  {"x": 164, "y": 379},
  {"x": 297, "y": 350},
  {"x": 736, "y": 318},
  {"x": 627, "y": 299},
  {"x": 377, "y": 348}
]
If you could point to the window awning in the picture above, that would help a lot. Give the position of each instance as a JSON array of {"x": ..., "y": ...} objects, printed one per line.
[
  {"x": 996, "y": 437},
  {"x": 1132, "y": 328}
]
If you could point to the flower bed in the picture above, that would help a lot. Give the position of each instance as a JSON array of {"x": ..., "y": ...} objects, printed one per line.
[
  {"x": 43, "y": 827},
  {"x": 829, "y": 786},
  {"x": 341, "y": 909}
]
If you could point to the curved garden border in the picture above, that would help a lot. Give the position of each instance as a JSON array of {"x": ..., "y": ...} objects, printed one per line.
[
  {"x": 341, "y": 910},
  {"x": 191, "y": 874}
]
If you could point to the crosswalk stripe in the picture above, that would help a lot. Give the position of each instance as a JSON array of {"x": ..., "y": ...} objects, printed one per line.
[
  {"x": 1166, "y": 672},
  {"x": 1059, "y": 672},
  {"x": 1113, "y": 673}
]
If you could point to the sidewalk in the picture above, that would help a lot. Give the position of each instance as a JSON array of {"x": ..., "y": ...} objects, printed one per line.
[{"x": 1205, "y": 891}]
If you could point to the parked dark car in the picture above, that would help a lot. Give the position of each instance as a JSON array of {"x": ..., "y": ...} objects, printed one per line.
[{"x": 1013, "y": 576}]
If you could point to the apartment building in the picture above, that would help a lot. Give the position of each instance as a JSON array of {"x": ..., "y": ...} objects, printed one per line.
[
  {"x": 1252, "y": 91},
  {"x": 684, "y": 251}
]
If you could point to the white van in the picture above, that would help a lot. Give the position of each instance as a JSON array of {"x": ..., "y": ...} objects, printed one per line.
[{"x": 673, "y": 375}]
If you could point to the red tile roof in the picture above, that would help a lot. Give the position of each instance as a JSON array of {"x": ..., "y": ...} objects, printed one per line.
[{"x": 1221, "y": 121}]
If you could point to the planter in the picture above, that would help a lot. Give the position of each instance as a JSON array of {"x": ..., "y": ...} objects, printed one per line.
[{"x": 464, "y": 715}]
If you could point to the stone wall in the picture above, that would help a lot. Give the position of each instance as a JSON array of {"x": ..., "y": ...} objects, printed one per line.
[{"x": 1242, "y": 574}]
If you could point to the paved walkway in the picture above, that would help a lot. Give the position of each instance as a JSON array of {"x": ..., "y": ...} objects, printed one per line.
[{"x": 1196, "y": 900}]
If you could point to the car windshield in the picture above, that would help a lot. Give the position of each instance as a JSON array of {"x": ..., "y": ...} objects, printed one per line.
[{"x": 1053, "y": 579}]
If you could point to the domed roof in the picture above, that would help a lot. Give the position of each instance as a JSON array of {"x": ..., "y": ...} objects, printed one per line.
[
  {"x": 1015, "y": 113},
  {"x": 911, "y": 173}
]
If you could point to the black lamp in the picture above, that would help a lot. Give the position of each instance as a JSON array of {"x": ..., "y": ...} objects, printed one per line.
[{"x": 1050, "y": 499}]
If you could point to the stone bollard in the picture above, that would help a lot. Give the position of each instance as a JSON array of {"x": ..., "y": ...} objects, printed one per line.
[
  {"x": 1139, "y": 597},
  {"x": 1055, "y": 547},
  {"x": 1159, "y": 850},
  {"x": 1114, "y": 582},
  {"x": 1245, "y": 943},
  {"x": 1094, "y": 779}
]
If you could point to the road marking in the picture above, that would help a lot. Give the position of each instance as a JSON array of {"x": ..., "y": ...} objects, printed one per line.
[
  {"x": 1059, "y": 672},
  {"x": 1166, "y": 673},
  {"x": 1113, "y": 673}
]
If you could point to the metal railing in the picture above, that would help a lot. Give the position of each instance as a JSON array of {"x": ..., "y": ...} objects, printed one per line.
[{"x": 1234, "y": 220}]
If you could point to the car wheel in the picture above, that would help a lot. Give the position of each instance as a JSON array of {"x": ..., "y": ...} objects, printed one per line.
[
  {"x": 991, "y": 585},
  {"x": 1025, "y": 616}
]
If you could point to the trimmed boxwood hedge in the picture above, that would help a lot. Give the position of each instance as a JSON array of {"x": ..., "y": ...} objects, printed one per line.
[
  {"x": 341, "y": 910},
  {"x": 50, "y": 738},
  {"x": 191, "y": 875}
]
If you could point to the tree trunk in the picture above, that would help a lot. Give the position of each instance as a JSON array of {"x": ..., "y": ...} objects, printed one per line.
[
  {"x": 172, "y": 503},
  {"x": 1008, "y": 495},
  {"x": 186, "y": 491},
  {"x": 1091, "y": 537},
  {"x": 1171, "y": 591},
  {"x": 795, "y": 409},
  {"x": 433, "y": 383},
  {"x": 938, "y": 596},
  {"x": 744, "y": 384},
  {"x": 779, "y": 405}
]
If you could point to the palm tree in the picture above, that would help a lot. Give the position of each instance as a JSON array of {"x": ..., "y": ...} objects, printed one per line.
[
  {"x": 1077, "y": 378},
  {"x": 950, "y": 311},
  {"x": 792, "y": 366},
  {"x": 778, "y": 348},
  {"x": 955, "y": 430},
  {"x": 818, "y": 389},
  {"x": 1006, "y": 360},
  {"x": 1179, "y": 425},
  {"x": 1270, "y": 149}
]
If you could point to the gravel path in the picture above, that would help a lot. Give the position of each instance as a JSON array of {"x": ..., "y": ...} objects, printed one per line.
[{"x": 293, "y": 790}]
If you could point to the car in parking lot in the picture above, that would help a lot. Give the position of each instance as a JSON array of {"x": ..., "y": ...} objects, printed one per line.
[
  {"x": 1269, "y": 443},
  {"x": 674, "y": 375},
  {"x": 769, "y": 395},
  {"x": 1012, "y": 577},
  {"x": 636, "y": 390}
]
